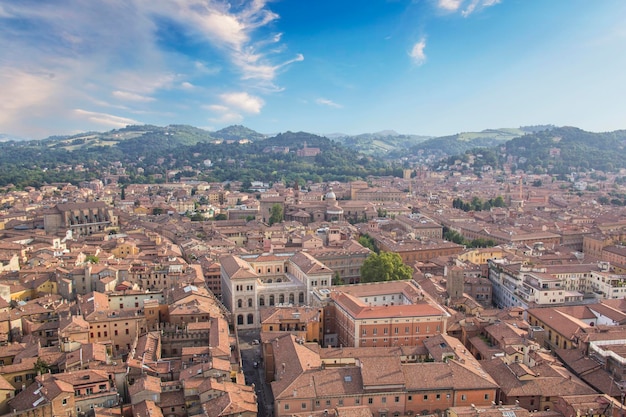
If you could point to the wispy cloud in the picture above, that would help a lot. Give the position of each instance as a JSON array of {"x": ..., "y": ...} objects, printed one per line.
[
  {"x": 326, "y": 102},
  {"x": 49, "y": 48},
  {"x": 466, "y": 7},
  {"x": 417, "y": 53},
  {"x": 4, "y": 13},
  {"x": 128, "y": 96},
  {"x": 230, "y": 29},
  {"x": 449, "y": 5},
  {"x": 104, "y": 119}
]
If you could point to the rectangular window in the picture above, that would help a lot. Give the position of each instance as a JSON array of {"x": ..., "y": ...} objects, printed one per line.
[
  {"x": 425, "y": 397},
  {"x": 370, "y": 400},
  {"x": 486, "y": 396},
  {"x": 463, "y": 397},
  {"x": 328, "y": 403},
  {"x": 396, "y": 399},
  {"x": 357, "y": 401},
  {"x": 304, "y": 406},
  {"x": 286, "y": 406},
  {"x": 410, "y": 398},
  {"x": 383, "y": 400},
  {"x": 438, "y": 397}
]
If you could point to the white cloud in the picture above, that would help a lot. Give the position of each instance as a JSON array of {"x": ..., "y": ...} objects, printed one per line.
[
  {"x": 243, "y": 101},
  {"x": 449, "y": 5},
  {"x": 417, "y": 52},
  {"x": 128, "y": 96},
  {"x": 477, "y": 5},
  {"x": 218, "y": 108},
  {"x": 95, "y": 70},
  {"x": 229, "y": 29},
  {"x": 227, "y": 118},
  {"x": 467, "y": 7},
  {"x": 326, "y": 102},
  {"x": 104, "y": 118}
]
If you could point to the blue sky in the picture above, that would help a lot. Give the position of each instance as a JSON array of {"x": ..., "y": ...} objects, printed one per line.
[{"x": 432, "y": 67}]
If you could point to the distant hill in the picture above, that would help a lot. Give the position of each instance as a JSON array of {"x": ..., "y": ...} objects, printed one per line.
[
  {"x": 563, "y": 149},
  {"x": 387, "y": 143},
  {"x": 238, "y": 132},
  {"x": 462, "y": 142},
  {"x": 149, "y": 154},
  {"x": 6, "y": 138}
]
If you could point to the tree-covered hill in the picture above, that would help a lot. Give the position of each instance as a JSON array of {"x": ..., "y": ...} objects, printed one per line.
[
  {"x": 151, "y": 153},
  {"x": 388, "y": 143},
  {"x": 238, "y": 132},
  {"x": 559, "y": 150},
  {"x": 563, "y": 149},
  {"x": 462, "y": 142}
]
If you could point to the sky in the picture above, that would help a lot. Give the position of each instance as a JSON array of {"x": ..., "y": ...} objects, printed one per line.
[{"x": 428, "y": 67}]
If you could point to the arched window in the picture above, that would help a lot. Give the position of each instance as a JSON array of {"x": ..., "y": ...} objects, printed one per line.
[
  {"x": 281, "y": 298},
  {"x": 240, "y": 319},
  {"x": 261, "y": 301},
  {"x": 291, "y": 298},
  {"x": 272, "y": 300},
  {"x": 249, "y": 302},
  {"x": 250, "y": 319},
  {"x": 301, "y": 298},
  {"x": 239, "y": 303}
]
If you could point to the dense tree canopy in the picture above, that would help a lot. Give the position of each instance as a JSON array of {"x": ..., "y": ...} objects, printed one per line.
[{"x": 385, "y": 266}]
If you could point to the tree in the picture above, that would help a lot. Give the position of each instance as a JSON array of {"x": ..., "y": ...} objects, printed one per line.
[
  {"x": 367, "y": 242},
  {"x": 386, "y": 266},
  {"x": 276, "y": 214},
  {"x": 92, "y": 259},
  {"x": 221, "y": 216},
  {"x": 337, "y": 279},
  {"x": 41, "y": 367}
]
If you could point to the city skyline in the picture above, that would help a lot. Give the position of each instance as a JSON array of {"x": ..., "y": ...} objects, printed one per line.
[{"x": 432, "y": 67}]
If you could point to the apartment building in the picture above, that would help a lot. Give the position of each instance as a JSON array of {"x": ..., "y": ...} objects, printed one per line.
[
  {"x": 517, "y": 285},
  {"x": 382, "y": 314},
  {"x": 384, "y": 384}
]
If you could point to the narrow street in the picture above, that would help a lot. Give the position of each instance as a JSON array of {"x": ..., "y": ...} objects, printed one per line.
[{"x": 253, "y": 369}]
